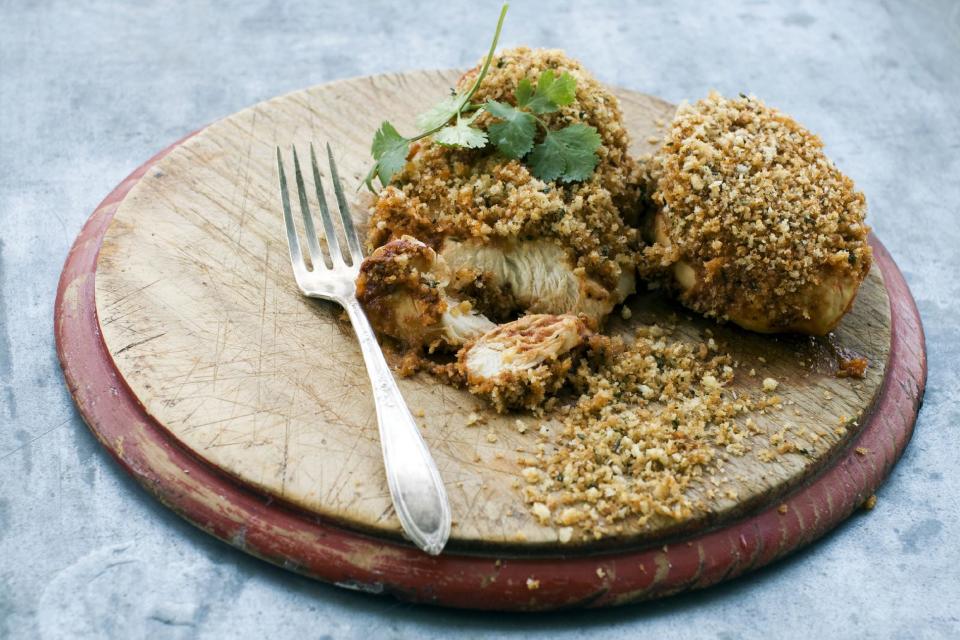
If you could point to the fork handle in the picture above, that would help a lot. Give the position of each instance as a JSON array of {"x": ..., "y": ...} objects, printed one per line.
[{"x": 416, "y": 487}]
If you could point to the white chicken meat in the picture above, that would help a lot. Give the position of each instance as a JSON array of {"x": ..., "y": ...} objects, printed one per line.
[
  {"x": 538, "y": 276},
  {"x": 519, "y": 363}
]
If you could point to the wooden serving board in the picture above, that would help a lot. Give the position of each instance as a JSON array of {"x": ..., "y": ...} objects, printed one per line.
[{"x": 244, "y": 406}]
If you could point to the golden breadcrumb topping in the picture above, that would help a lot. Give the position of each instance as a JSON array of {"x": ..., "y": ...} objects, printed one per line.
[
  {"x": 476, "y": 193},
  {"x": 757, "y": 210}
]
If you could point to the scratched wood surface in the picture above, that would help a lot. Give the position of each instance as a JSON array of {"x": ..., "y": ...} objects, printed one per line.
[{"x": 198, "y": 308}]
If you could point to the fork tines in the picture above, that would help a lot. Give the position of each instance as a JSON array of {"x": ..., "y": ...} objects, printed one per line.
[{"x": 337, "y": 258}]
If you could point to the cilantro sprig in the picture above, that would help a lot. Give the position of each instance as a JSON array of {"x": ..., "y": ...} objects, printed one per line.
[
  {"x": 567, "y": 154},
  {"x": 390, "y": 149}
]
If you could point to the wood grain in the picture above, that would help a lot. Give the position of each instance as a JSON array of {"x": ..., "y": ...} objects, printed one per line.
[{"x": 199, "y": 311}]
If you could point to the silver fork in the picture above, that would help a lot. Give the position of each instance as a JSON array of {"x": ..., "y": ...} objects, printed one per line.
[{"x": 415, "y": 485}]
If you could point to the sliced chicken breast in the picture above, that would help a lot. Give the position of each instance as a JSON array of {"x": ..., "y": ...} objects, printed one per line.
[{"x": 518, "y": 363}]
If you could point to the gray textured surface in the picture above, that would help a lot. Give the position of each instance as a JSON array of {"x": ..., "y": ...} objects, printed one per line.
[{"x": 90, "y": 90}]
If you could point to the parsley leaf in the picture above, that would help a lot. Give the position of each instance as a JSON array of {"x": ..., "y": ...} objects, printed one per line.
[
  {"x": 568, "y": 154},
  {"x": 552, "y": 92},
  {"x": 581, "y": 142},
  {"x": 524, "y": 92},
  {"x": 546, "y": 161},
  {"x": 441, "y": 113},
  {"x": 390, "y": 150},
  {"x": 561, "y": 91},
  {"x": 462, "y": 134},
  {"x": 514, "y": 136}
]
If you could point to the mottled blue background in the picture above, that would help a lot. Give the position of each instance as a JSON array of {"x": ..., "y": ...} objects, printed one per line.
[{"x": 89, "y": 90}]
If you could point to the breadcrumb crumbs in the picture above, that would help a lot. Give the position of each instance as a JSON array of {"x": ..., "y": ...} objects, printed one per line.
[
  {"x": 852, "y": 368},
  {"x": 652, "y": 416},
  {"x": 541, "y": 511}
]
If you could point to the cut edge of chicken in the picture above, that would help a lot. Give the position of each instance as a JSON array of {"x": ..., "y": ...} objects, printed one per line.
[
  {"x": 517, "y": 364},
  {"x": 539, "y": 274},
  {"x": 402, "y": 287}
]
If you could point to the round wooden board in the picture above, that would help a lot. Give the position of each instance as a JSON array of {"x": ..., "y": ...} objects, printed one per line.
[{"x": 123, "y": 394}]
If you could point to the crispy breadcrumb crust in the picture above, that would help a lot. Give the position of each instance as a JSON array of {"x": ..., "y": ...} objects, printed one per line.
[
  {"x": 756, "y": 209},
  {"x": 397, "y": 273},
  {"x": 476, "y": 193}
]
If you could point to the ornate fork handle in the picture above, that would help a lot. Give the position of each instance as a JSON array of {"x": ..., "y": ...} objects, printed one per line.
[{"x": 415, "y": 484}]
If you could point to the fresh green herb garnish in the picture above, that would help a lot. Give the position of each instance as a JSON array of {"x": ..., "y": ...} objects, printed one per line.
[
  {"x": 390, "y": 149},
  {"x": 567, "y": 154},
  {"x": 462, "y": 134},
  {"x": 514, "y": 136},
  {"x": 551, "y": 93}
]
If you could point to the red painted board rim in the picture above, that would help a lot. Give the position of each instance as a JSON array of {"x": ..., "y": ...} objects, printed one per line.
[{"x": 296, "y": 541}]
